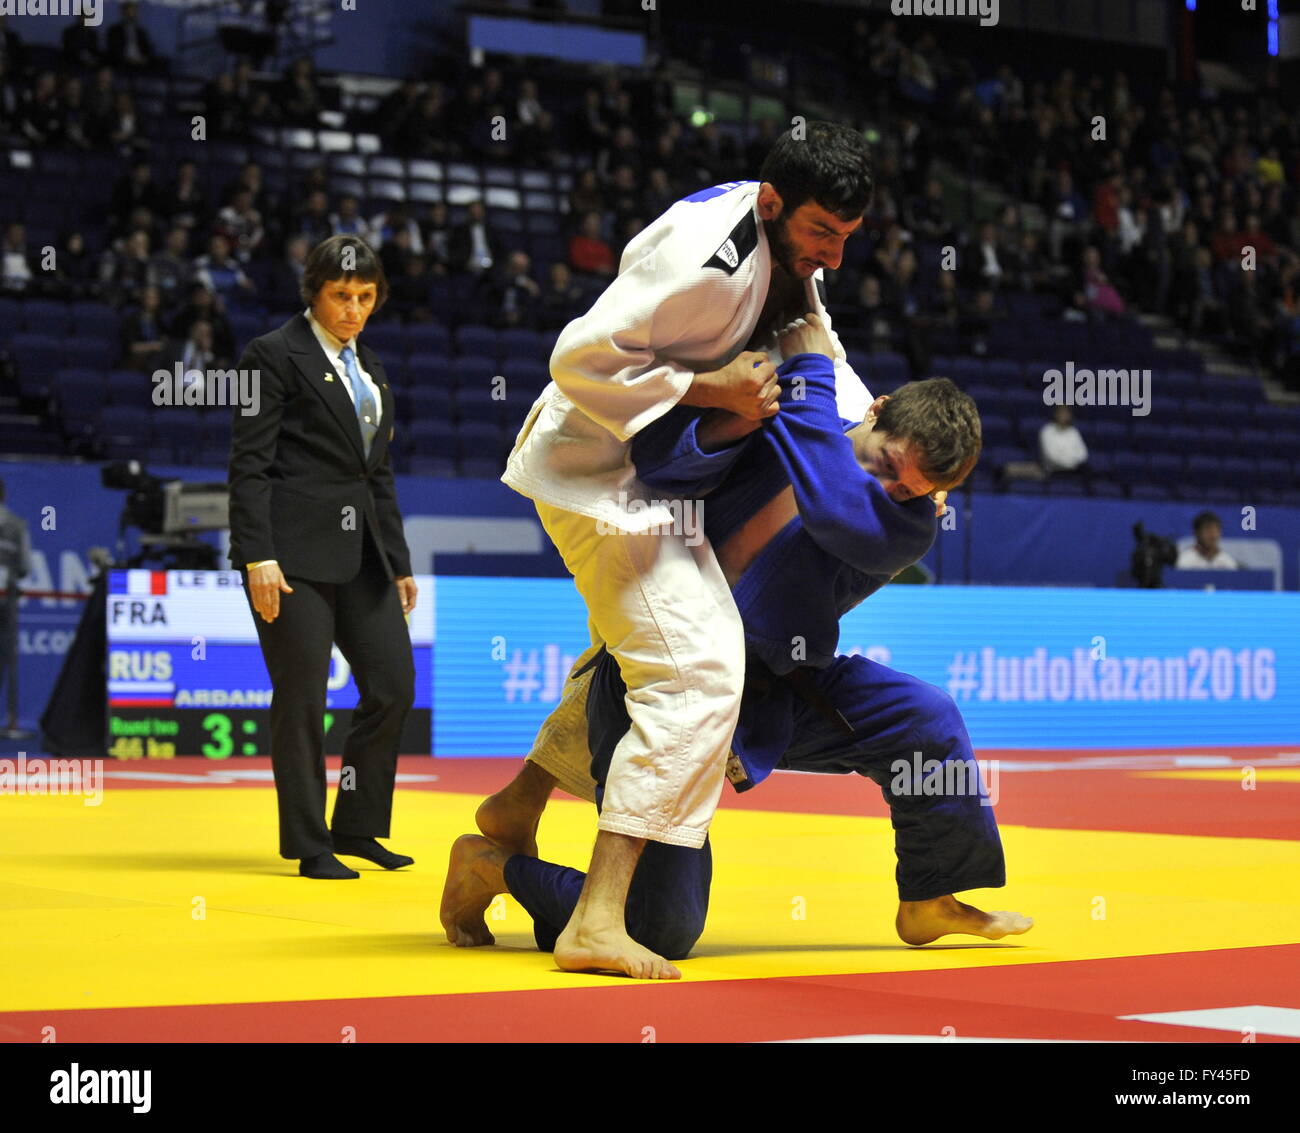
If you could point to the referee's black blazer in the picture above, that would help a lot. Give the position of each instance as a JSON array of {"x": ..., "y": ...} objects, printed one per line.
[{"x": 298, "y": 463}]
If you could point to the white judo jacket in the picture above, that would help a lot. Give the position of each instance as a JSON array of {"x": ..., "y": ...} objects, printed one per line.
[{"x": 687, "y": 297}]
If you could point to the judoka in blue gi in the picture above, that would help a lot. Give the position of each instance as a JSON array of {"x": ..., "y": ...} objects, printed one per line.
[{"x": 809, "y": 516}]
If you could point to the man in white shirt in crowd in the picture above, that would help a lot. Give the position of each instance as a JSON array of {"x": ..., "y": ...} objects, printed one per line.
[
  {"x": 1060, "y": 445},
  {"x": 1205, "y": 553}
]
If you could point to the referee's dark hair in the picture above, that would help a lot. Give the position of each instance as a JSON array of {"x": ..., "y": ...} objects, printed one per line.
[
  {"x": 325, "y": 263},
  {"x": 824, "y": 162}
]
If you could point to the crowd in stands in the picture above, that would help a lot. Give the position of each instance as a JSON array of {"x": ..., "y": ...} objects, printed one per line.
[{"x": 1158, "y": 217}]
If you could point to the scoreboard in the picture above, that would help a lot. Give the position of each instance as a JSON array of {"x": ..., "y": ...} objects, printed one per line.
[{"x": 186, "y": 675}]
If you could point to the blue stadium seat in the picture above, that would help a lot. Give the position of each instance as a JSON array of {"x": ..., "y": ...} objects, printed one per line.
[
  {"x": 473, "y": 339},
  {"x": 428, "y": 368},
  {"x": 51, "y": 317},
  {"x": 520, "y": 342},
  {"x": 428, "y": 338},
  {"x": 38, "y": 354},
  {"x": 434, "y": 436},
  {"x": 419, "y": 464},
  {"x": 474, "y": 370},
  {"x": 476, "y": 403}
]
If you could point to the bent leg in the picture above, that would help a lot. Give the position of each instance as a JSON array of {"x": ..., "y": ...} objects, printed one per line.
[{"x": 910, "y": 739}]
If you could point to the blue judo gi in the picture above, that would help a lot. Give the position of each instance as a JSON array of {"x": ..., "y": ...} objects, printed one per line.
[{"x": 820, "y": 712}]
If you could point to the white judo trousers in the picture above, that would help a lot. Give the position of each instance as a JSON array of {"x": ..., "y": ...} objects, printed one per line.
[{"x": 689, "y": 292}]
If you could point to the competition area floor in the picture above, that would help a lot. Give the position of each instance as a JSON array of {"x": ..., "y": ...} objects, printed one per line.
[{"x": 1166, "y": 896}]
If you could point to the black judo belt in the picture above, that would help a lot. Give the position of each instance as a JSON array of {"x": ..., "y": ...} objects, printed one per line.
[{"x": 760, "y": 680}]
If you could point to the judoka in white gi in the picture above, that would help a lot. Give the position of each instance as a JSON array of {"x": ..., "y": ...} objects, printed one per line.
[{"x": 691, "y": 319}]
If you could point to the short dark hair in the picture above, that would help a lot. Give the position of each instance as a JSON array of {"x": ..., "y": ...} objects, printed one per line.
[
  {"x": 324, "y": 263},
  {"x": 1204, "y": 520},
  {"x": 825, "y": 162},
  {"x": 942, "y": 422}
]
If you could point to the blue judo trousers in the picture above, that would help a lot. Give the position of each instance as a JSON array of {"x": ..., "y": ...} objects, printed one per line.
[{"x": 946, "y": 840}]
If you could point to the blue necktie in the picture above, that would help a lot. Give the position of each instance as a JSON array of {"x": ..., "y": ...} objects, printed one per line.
[{"x": 367, "y": 416}]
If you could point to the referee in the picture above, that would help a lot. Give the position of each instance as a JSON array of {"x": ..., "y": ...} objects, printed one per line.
[{"x": 316, "y": 531}]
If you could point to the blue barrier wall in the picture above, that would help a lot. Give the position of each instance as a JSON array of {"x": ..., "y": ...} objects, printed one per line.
[
  {"x": 1030, "y": 541},
  {"x": 1040, "y": 668}
]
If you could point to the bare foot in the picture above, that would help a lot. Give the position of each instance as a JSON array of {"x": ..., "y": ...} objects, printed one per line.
[
  {"x": 474, "y": 877},
  {"x": 920, "y": 922},
  {"x": 510, "y": 817},
  {"x": 579, "y": 950}
]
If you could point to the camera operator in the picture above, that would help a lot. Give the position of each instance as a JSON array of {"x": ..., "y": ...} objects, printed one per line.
[{"x": 1205, "y": 553}]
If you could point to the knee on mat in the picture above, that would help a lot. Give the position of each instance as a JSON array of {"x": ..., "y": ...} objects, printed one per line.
[{"x": 672, "y": 942}]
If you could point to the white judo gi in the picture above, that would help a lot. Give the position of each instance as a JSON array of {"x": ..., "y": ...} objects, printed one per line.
[{"x": 690, "y": 289}]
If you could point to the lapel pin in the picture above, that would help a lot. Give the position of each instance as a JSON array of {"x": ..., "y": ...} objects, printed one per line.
[{"x": 328, "y": 377}]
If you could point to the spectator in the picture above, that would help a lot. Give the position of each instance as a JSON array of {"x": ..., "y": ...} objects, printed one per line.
[
  {"x": 528, "y": 109},
  {"x": 424, "y": 132},
  {"x": 130, "y": 47},
  {"x": 984, "y": 266},
  {"x": 143, "y": 334},
  {"x": 41, "y": 119},
  {"x": 205, "y": 304},
  {"x": 125, "y": 270},
  {"x": 80, "y": 46},
  {"x": 408, "y": 292},
  {"x": 124, "y": 125},
  {"x": 76, "y": 122},
  {"x": 659, "y": 196},
  {"x": 170, "y": 269},
  {"x": 299, "y": 96},
  {"x": 1199, "y": 298},
  {"x": 184, "y": 203},
  {"x": 75, "y": 274},
  {"x": 436, "y": 235},
  {"x": 560, "y": 300},
  {"x": 511, "y": 292},
  {"x": 395, "y": 251},
  {"x": 348, "y": 221},
  {"x": 472, "y": 246},
  {"x": 1060, "y": 445},
  {"x": 1248, "y": 319},
  {"x": 133, "y": 190},
  {"x": 395, "y": 110},
  {"x": 283, "y": 290},
  {"x": 927, "y": 217},
  {"x": 623, "y": 150},
  {"x": 220, "y": 271},
  {"x": 385, "y": 225},
  {"x": 588, "y": 251},
  {"x": 1098, "y": 295},
  {"x": 591, "y": 131},
  {"x": 196, "y": 354},
  {"x": 624, "y": 195},
  {"x": 15, "y": 264},
  {"x": 99, "y": 106},
  {"x": 223, "y": 108},
  {"x": 241, "y": 224},
  {"x": 586, "y": 195},
  {"x": 977, "y": 320},
  {"x": 313, "y": 218},
  {"x": 1205, "y": 553},
  {"x": 1067, "y": 214}
]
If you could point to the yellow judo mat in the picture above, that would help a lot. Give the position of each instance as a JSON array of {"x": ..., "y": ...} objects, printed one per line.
[{"x": 175, "y": 896}]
